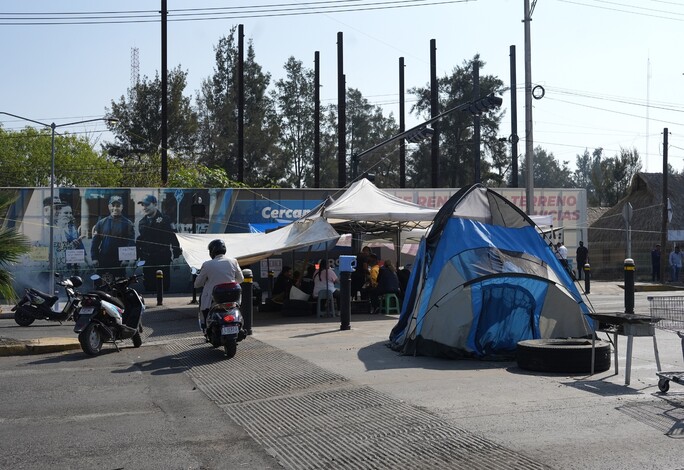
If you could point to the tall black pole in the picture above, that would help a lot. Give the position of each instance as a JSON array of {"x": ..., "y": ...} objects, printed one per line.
[
  {"x": 342, "y": 118},
  {"x": 476, "y": 121},
  {"x": 434, "y": 111},
  {"x": 664, "y": 249},
  {"x": 241, "y": 105},
  {"x": 317, "y": 120},
  {"x": 402, "y": 126},
  {"x": 514, "y": 122},
  {"x": 164, "y": 99}
]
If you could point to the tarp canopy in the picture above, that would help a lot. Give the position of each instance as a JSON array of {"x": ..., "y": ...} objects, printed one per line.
[
  {"x": 364, "y": 208},
  {"x": 251, "y": 247}
]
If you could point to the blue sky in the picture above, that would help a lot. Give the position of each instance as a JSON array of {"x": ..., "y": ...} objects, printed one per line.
[{"x": 591, "y": 56}]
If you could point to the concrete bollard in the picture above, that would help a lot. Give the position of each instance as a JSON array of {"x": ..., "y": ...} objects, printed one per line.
[
  {"x": 247, "y": 306},
  {"x": 587, "y": 278},
  {"x": 160, "y": 287},
  {"x": 630, "y": 269},
  {"x": 347, "y": 266}
]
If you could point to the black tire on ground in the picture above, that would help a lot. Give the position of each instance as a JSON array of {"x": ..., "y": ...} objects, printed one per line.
[
  {"x": 22, "y": 319},
  {"x": 137, "y": 340},
  {"x": 562, "y": 355},
  {"x": 231, "y": 349},
  {"x": 91, "y": 340}
]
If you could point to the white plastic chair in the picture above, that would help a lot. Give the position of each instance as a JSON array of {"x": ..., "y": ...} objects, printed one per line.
[{"x": 330, "y": 305}]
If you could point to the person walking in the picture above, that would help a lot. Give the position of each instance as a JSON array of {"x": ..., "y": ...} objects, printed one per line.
[
  {"x": 109, "y": 235},
  {"x": 157, "y": 244},
  {"x": 675, "y": 264},
  {"x": 581, "y": 256},
  {"x": 655, "y": 263}
]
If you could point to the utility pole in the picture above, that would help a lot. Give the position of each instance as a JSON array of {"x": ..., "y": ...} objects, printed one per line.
[
  {"x": 514, "y": 121},
  {"x": 342, "y": 115},
  {"x": 476, "y": 121},
  {"x": 317, "y": 120},
  {"x": 241, "y": 105},
  {"x": 402, "y": 126},
  {"x": 529, "y": 139},
  {"x": 434, "y": 111},
  {"x": 164, "y": 98},
  {"x": 664, "y": 249}
]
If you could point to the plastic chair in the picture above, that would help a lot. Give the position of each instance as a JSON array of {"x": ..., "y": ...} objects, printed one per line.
[
  {"x": 390, "y": 304},
  {"x": 325, "y": 296}
]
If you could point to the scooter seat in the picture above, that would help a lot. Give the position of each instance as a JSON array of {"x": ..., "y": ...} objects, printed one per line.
[
  {"x": 108, "y": 298},
  {"x": 50, "y": 300}
]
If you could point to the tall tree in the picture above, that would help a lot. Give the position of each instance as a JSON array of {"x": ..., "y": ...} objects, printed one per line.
[
  {"x": 294, "y": 101},
  {"x": 548, "y": 173},
  {"x": 217, "y": 106},
  {"x": 620, "y": 170},
  {"x": 457, "y": 165},
  {"x": 137, "y": 133},
  {"x": 26, "y": 160},
  {"x": 366, "y": 127}
]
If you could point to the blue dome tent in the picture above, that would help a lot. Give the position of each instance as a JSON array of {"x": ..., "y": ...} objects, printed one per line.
[{"x": 484, "y": 279}]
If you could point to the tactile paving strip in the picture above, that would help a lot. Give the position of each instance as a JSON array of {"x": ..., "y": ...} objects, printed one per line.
[{"x": 311, "y": 418}]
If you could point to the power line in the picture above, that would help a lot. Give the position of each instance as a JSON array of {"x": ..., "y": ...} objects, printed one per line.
[{"x": 149, "y": 16}]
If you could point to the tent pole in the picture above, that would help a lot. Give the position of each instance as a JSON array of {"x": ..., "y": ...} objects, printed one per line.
[{"x": 397, "y": 247}]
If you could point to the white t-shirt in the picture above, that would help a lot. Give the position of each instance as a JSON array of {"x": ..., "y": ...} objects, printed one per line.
[
  {"x": 326, "y": 281},
  {"x": 563, "y": 252}
]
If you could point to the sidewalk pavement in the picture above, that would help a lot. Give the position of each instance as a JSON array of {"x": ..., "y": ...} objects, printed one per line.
[{"x": 604, "y": 296}]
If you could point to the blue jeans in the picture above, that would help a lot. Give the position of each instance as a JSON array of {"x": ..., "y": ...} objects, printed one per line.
[{"x": 675, "y": 273}]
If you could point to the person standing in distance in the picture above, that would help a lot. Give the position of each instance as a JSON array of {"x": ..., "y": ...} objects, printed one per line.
[
  {"x": 581, "y": 255},
  {"x": 109, "y": 234},
  {"x": 655, "y": 263},
  {"x": 157, "y": 244},
  {"x": 675, "y": 264},
  {"x": 218, "y": 270}
]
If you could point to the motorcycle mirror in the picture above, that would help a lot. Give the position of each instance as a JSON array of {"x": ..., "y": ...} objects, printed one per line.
[
  {"x": 141, "y": 263},
  {"x": 94, "y": 277}
]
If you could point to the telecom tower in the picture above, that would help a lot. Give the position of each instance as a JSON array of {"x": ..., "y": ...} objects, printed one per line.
[{"x": 135, "y": 72}]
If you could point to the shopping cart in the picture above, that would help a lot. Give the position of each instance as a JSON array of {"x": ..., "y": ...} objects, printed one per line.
[{"x": 670, "y": 310}]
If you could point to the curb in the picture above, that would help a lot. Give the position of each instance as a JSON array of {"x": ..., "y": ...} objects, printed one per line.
[{"x": 13, "y": 347}]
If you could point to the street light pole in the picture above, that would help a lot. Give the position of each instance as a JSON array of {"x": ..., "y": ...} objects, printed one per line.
[{"x": 53, "y": 126}]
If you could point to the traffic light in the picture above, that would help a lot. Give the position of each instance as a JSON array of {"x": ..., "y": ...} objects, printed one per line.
[
  {"x": 485, "y": 104},
  {"x": 420, "y": 134}
]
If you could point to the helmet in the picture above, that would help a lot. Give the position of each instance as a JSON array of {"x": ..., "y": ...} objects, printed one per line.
[{"x": 217, "y": 247}]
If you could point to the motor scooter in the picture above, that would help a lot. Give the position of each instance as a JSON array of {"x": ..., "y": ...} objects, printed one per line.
[
  {"x": 37, "y": 305},
  {"x": 111, "y": 313},
  {"x": 224, "y": 319}
]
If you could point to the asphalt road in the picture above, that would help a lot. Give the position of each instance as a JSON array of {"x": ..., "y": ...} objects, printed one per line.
[{"x": 302, "y": 394}]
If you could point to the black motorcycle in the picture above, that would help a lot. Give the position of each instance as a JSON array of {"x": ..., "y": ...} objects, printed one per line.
[
  {"x": 37, "y": 305},
  {"x": 111, "y": 313},
  {"x": 224, "y": 319}
]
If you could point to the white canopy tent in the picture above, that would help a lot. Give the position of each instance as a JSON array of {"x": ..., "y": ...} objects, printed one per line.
[
  {"x": 251, "y": 247},
  {"x": 365, "y": 208}
]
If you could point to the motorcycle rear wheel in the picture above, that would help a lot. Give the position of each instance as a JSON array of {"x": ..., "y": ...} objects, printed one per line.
[
  {"x": 231, "y": 349},
  {"x": 137, "y": 340},
  {"x": 91, "y": 340},
  {"x": 22, "y": 319}
]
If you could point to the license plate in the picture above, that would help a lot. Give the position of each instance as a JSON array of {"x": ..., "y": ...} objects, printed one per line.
[
  {"x": 230, "y": 330},
  {"x": 87, "y": 310}
]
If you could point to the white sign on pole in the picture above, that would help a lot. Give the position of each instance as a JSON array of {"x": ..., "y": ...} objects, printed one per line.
[
  {"x": 127, "y": 253},
  {"x": 75, "y": 256}
]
